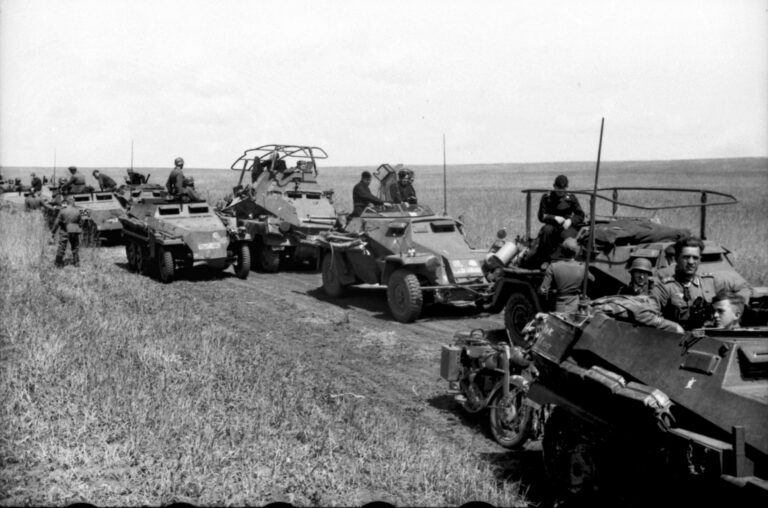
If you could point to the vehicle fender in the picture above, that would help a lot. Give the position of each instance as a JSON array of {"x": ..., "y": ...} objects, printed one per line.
[
  {"x": 344, "y": 270},
  {"x": 505, "y": 288},
  {"x": 395, "y": 261}
]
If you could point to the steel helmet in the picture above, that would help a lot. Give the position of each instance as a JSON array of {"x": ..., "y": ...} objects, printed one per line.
[
  {"x": 178, "y": 161},
  {"x": 641, "y": 264}
]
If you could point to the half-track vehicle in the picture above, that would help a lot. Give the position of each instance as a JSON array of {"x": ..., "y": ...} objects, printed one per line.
[
  {"x": 419, "y": 256},
  {"x": 619, "y": 240},
  {"x": 171, "y": 236},
  {"x": 281, "y": 205},
  {"x": 101, "y": 215},
  {"x": 639, "y": 407}
]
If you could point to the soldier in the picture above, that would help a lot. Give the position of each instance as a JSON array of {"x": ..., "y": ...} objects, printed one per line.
[
  {"x": 561, "y": 214},
  {"x": 36, "y": 185},
  {"x": 565, "y": 277},
  {"x": 362, "y": 196},
  {"x": 105, "y": 182},
  {"x": 402, "y": 190},
  {"x": 641, "y": 281},
  {"x": 728, "y": 308},
  {"x": 175, "y": 182},
  {"x": 75, "y": 184},
  {"x": 636, "y": 308},
  {"x": 686, "y": 296},
  {"x": 67, "y": 223}
]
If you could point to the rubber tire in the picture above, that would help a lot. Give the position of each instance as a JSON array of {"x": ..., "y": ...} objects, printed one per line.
[
  {"x": 141, "y": 258},
  {"x": 404, "y": 296},
  {"x": 90, "y": 234},
  {"x": 165, "y": 266},
  {"x": 522, "y": 422},
  {"x": 269, "y": 259},
  {"x": 332, "y": 285},
  {"x": 243, "y": 263},
  {"x": 518, "y": 311}
]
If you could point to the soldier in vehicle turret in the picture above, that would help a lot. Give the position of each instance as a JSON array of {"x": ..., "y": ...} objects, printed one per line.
[
  {"x": 362, "y": 197},
  {"x": 106, "y": 183},
  {"x": 686, "y": 296},
  {"x": 641, "y": 273},
  {"x": 76, "y": 182},
  {"x": 728, "y": 308},
  {"x": 36, "y": 185},
  {"x": 402, "y": 190}
]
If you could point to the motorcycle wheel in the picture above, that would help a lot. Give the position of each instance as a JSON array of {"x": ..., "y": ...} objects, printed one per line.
[{"x": 510, "y": 419}]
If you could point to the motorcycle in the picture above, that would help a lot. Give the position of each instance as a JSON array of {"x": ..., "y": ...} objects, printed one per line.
[{"x": 486, "y": 371}]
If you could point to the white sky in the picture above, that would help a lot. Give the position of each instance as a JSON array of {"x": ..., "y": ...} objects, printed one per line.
[{"x": 374, "y": 82}]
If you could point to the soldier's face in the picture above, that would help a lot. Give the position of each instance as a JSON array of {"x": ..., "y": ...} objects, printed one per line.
[
  {"x": 726, "y": 315},
  {"x": 640, "y": 278},
  {"x": 560, "y": 191},
  {"x": 689, "y": 259}
]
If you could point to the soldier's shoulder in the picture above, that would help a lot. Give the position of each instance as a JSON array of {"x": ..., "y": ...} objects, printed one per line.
[{"x": 668, "y": 279}]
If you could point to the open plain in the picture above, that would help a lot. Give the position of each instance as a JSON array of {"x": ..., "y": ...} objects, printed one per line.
[{"x": 119, "y": 390}]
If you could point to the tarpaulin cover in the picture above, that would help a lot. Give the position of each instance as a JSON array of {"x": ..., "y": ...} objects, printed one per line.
[{"x": 632, "y": 232}]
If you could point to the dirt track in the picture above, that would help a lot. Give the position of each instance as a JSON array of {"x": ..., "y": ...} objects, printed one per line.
[{"x": 364, "y": 349}]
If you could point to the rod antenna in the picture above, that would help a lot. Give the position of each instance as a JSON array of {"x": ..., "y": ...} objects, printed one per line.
[
  {"x": 592, "y": 201},
  {"x": 131, "y": 155},
  {"x": 445, "y": 182}
]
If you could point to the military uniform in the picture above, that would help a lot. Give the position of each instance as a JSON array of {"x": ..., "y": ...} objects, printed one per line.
[
  {"x": 552, "y": 233},
  {"x": 566, "y": 277},
  {"x": 36, "y": 185},
  {"x": 175, "y": 182},
  {"x": 638, "y": 308},
  {"x": 402, "y": 193},
  {"x": 106, "y": 182},
  {"x": 75, "y": 184},
  {"x": 362, "y": 197},
  {"x": 682, "y": 302},
  {"x": 68, "y": 222}
]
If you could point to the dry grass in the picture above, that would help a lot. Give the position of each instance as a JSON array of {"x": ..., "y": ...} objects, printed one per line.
[{"x": 118, "y": 390}]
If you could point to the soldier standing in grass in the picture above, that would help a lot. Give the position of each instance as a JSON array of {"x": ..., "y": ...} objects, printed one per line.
[{"x": 67, "y": 223}]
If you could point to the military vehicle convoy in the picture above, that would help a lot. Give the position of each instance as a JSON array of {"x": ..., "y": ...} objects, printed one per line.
[
  {"x": 169, "y": 236},
  {"x": 101, "y": 215},
  {"x": 281, "y": 205},
  {"x": 618, "y": 241},
  {"x": 638, "y": 407},
  {"x": 420, "y": 257},
  {"x": 137, "y": 187}
]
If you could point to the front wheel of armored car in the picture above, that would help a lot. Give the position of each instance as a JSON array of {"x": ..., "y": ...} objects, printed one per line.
[
  {"x": 269, "y": 260},
  {"x": 131, "y": 255},
  {"x": 404, "y": 296},
  {"x": 517, "y": 313},
  {"x": 332, "y": 284},
  {"x": 165, "y": 266},
  {"x": 510, "y": 418},
  {"x": 243, "y": 263}
]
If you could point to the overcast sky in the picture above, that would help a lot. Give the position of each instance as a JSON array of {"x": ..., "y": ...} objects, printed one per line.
[{"x": 374, "y": 82}]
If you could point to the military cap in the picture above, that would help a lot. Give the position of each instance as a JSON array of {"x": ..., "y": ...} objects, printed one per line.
[
  {"x": 641, "y": 264},
  {"x": 366, "y": 174},
  {"x": 178, "y": 161},
  {"x": 72, "y": 168},
  {"x": 561, "y": 182}
]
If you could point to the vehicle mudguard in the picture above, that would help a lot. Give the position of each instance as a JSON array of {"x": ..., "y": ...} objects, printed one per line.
[
  {"x": 506, "y": 287},
  {"x": 395, "y": 261}
]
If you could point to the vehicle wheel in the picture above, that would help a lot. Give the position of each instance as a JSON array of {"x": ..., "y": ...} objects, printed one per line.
[
  {"x": 517, "y": 313},
  {"x": 570, "y": 456},
  {"x": 269, "y": 259},
  {"x": 510, "y": 418},
  {"x": 140, "y": 258},
  {"x": 90, "y": 234},
  {"x": 243, "y": 263},
  {"x": 165, "y": 267},
  {"x": 332, "y": 285},
  {"x": 130, "y": 254},
  {"x": 404, "y": 296}
]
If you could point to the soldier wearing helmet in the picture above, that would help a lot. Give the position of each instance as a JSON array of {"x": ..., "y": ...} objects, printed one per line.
[
  {"x": 641, "y": 278},
  {"x": 565, "y": 278},
  {"x": 402, "y": 190},
  {"x": 68, "y": 224},
  {"x": 175, "y": 183},
  {"x": 76, "y": 182}
]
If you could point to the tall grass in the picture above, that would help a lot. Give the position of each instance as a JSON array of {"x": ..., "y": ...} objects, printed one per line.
[{"x": 117, "y": 390}]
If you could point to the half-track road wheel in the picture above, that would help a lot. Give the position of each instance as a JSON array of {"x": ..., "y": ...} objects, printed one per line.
[
  {"x": 130, "y": 254},
  {"x": 404, "y": 296},
  {"x": 331, "y": 283},
  {"x": 165, "y": 266},
  {"x": 517, "y": 313},
  {"x": 243, "y": 263},
  {"x": 269, "y": 260},
  {"x": 510, "y": 418}
]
